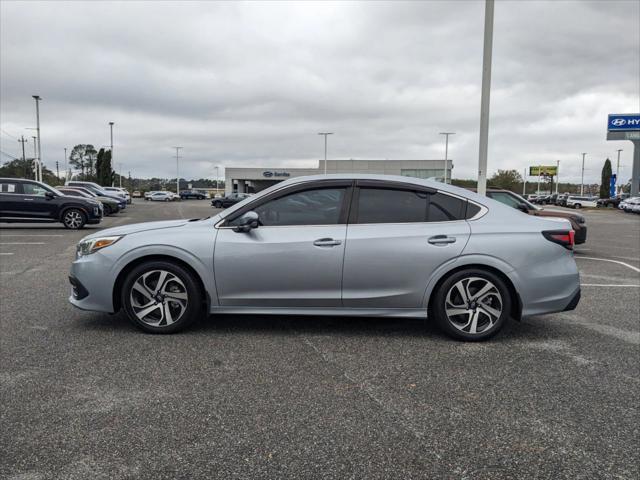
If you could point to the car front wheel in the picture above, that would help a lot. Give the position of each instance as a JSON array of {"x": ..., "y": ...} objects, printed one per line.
[
  {"x": 472, "y": 305},
  {"x": 74, "y": 219},
  {"x": 161, "y": 297}
]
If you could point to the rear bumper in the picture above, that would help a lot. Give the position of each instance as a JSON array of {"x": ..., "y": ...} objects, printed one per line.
[
  {"x": 580, "y": 235},
  {"x": 573, "y": 303}
]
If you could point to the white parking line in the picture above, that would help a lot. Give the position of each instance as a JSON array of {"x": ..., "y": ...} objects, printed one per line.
[
  {"x": 635, "y": 269},
  {"x": 23, "y": 243},
  {"x": 2, "y": 235},
  {"x": 6, "y": 253},
  {"x": 607, "y": 285}
]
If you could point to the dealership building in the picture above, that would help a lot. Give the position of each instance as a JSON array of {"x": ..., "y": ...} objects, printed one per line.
[{"x": 251, "y": 180}]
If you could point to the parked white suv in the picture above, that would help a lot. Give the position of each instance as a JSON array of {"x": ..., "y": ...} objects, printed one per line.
[{"x": 576, "y": 201}]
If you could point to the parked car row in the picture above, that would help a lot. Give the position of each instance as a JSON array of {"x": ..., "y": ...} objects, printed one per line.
[
  {"x": 630, "y": 205},
  {"x": 163, "y": 196},
  {"x": 229, "y": 200}
]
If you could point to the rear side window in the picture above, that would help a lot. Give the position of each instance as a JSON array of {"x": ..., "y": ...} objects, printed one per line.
[
  {"x": 33, "y": 189},
  {"x": 9, "y": 187},
  {"x": 381, "y": 205}
]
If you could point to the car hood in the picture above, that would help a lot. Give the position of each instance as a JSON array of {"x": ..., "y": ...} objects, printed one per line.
[{"x": 138, "y": 227}]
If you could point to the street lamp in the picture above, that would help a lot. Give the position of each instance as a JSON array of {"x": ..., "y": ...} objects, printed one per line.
[
  {"x": 582, "y": 179},
  {"x": 446, "y": 152},
  {"x": 39, "y": 155},
  {"x": 485, "y": 97},
  {"x": 112, "y": 158},
  {"x": 217, "y": 176},
  {"x": 325, "y": 149},
  {"x": 177, "y": 170}
]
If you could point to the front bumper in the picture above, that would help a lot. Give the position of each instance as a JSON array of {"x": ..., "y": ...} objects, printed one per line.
[{"x": 92, "y": 281}]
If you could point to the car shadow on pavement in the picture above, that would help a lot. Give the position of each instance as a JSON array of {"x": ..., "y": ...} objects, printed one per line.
[{"x": 278, "y": 325}]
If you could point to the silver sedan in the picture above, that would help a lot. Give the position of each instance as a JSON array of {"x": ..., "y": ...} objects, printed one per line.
[{"x": 368, "y": 245}]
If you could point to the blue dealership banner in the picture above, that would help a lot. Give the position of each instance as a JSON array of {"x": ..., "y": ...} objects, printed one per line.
[
  {"x": 612, "y": 186},
  {"x": 623, "y": 122}
]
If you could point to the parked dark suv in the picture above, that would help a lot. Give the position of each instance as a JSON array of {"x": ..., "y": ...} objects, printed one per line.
[
  {"x": 229, "y": 200},
  {"x": 24, "y": 200},
  {"x": 578, "y": 222}
]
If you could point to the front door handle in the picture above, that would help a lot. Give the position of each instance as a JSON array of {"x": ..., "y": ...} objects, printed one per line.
[
  {"x": 28, "y": 199},
  {"x": 441, "y": 240},
  {"x": 327, "y": 242}
]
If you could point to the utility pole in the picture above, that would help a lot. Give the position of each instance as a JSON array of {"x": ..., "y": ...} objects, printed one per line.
[
  {"x": 57, "y": 169},
  {"x": 24, "y": 159},
  {"x": 557, "y": 175},
  {"x": 35, "y": 156},
  {"x": 177, "y": 170},
  {"x": 37, "y": 99},
  {"x": 539, "y": 174},
  {"x": 217, "y": 176},
  {"x": 524, "y": 183},
  {"x": 486, "y": 95},
  {"x": 65, "y": 163},
  {"x": 111, "y": 136},
  {"x": 618, "y": 170},
  {"x": 120, "y": 174},
  {"x": 325, "y": 149},
  {"x": 582, "y": 179},
  {"x": 446, "y": 152}
]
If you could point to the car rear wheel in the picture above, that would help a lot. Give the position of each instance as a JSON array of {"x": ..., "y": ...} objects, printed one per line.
[
  {"x": 577, "y": 206},
  {"x": 161, "y": 297},
  {"x": 472, "y": 305},
  {"x": 217, "y": 204},
  {"x": 74, "y": 219}
]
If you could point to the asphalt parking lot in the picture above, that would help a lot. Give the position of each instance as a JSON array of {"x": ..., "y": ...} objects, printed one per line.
[{"x": 86, "y": 395}]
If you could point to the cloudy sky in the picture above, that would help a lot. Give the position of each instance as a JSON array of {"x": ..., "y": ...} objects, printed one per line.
[{"x": 246, "y": 84}]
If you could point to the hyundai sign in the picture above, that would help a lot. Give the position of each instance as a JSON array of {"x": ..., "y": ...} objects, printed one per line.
[{"x": 624, "y": 122}]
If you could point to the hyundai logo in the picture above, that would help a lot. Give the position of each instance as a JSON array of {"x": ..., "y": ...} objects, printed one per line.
[
  {"x": 270, "y": 174},
  {"x": 267, "y": 174},
  {"x": 618, "y": 122}
]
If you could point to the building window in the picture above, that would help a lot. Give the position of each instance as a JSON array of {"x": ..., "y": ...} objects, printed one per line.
[{"x": 423, "y": 172}]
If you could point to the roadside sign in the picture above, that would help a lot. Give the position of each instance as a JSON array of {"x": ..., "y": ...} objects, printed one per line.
[
  {"x": 612, "y": 186},
  {"x": 623, "y": 122},
  {"x": 546, "y": 170}
]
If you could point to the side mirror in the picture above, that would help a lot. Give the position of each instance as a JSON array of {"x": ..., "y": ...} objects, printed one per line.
[
  {"x": 247, "y": 222},
  {"x": 49, "y": 195},
  {"x": 523, "y": 208}
]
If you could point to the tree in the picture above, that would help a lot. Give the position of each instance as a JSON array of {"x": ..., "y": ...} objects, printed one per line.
[
  {"x": 16, "y": 169},
  {"x": 107, "y": 170},
  {"x": 507, "y": 179},
  {"x": 82, "y": 157},
  {"x": 606, "y": 179}
]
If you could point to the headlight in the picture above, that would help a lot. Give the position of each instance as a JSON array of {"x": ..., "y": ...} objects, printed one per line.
[{"x": 92, "y": 245}]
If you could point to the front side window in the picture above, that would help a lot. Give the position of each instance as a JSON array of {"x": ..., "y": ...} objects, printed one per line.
[
  {"x": 33, "y": 189},
  {"x": 320, "y": 206}
]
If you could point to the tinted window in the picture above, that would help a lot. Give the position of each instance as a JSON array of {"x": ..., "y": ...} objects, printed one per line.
[
  {"x": 445, "y": 208},
  {"x": 472, "y": 210},
  {"x": 309, "y": 207},
  {"x": 33, "y": 189},
  {"x": 380, "y": 205},
  {"x": 9, "y": 187}
]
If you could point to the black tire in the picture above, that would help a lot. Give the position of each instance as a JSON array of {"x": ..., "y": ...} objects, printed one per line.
[
  {"x": 217, "y": 204},
  {"x": 489, "y": 326},
  {"x": 166, "y": 199},
  {"x": 107, "y": 210},
  {"x": 577, "y": 206},
  {"x": 74, "y": 218},
  {"x": 194, "y": 301}
]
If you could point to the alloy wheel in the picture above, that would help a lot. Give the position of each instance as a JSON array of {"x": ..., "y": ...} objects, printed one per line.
[
  {"x": 473, "y": 305},
  {"x": 158, "y": 298},
  {"x": 73, "y": 219}
]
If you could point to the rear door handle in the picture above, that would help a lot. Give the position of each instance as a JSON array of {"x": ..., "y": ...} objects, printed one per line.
[
  {"x": 441, "y": 240},
  {"x": 327, "y": 242}
]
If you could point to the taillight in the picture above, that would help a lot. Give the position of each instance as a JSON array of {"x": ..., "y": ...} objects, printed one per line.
[{"x": 561, "y": 237}]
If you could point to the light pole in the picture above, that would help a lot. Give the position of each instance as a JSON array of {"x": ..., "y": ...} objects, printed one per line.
[
  {"x": 524, "y": 183},
  {"x": 39, "y": 161},
  {"x": 557, "y": 175},
  {"x": 65, "y": 163},
  {"x": 539, "y": 174},
  {"x": 177, "y": 170},
  {"x": 120, "y": 174},
  {"x": 35, "y": 156},
  {"x": 486, "y": 94},
  {"x": 618, "y": 169},
  {"x": 446, "y": 152},
  {"x": 112, "y": 160},
  {"x": 217, "y": 176},
  {"x": 582, "y": 179},
  {"x": 325, "y": 149}
]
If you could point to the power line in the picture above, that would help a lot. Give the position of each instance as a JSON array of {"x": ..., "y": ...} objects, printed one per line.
[
  {"x": 10, "y": 156},
  {"x": 8, "y": 134}
]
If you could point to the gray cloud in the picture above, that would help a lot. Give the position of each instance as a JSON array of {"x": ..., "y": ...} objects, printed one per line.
[{"x": 252, "y": 83}]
